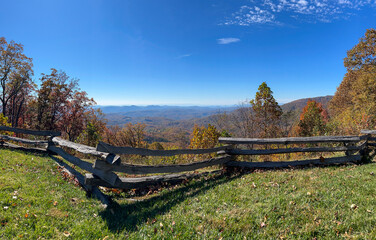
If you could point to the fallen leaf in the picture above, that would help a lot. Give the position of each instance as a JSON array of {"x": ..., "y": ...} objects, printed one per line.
[{"x": 353, "y": 206}]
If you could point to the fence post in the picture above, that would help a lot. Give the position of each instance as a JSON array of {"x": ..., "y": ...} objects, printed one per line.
[
  {"x": 226, "y": 168},
  {"x": 50, "y": 144},
  {"x": 364, "y": 152}
]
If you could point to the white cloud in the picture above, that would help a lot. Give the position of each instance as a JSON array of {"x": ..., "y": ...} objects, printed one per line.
[
  {"x": 227, "y": 40},
  {"x": 184, "y": 56},
  {"x": 270, "y": 11},
  {"x": 251, "y": 15},
  {"x": 344, "y": 2}
]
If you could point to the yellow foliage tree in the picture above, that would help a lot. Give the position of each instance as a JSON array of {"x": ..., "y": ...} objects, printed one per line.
[
  {"x": 4, "y": 122},
  {"x": 353, "y": 106},
  {"x": 204, "y": 137}
]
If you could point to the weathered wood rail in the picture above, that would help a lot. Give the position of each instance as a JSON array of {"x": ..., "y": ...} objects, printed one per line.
[
  {"x": 355, "y": 147},
  {"x": 103, "y": 171}
]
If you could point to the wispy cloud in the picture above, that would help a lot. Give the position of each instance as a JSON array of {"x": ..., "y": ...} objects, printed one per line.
[
  {"x": 184, "y": 56},
  {"x": 248, "y": 15},
  {"x": 270, "y": 11},
  {"x": 227, "y": 40}
]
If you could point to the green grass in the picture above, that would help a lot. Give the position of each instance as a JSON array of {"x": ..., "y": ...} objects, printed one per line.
[{"x": 35, "y": 202}]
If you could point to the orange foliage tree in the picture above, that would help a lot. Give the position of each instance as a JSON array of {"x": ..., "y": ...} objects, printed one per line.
[{"x": 313, "y": 120}]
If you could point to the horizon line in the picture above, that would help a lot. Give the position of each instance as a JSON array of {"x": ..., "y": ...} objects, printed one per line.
[{"x": 280, "y": 102}]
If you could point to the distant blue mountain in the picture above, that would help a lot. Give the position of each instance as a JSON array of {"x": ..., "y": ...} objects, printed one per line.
[
  {"x": 168, "y": 112},
  {"x": 162, "y": 115}
]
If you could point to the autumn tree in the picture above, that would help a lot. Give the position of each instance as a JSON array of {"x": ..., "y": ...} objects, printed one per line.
[
  {"x": 266, "y": 112},
  {"x": 15, "y": 79},
  {"x": 204, "y": 137},
  {"x": 56, "y": 90},
  {"x": 313, "y": 120},
  {"x": 156, "y": 146},
  {"x": 73, "y": 121},
  {"x": 131, "y": 135},
  {"x": 353, "y": 106},
  {"x": 243, "y": 121},
  {"x": 4, "y": 122},
  {"x": 362, "y": 55},
  {"x": 61, "y": 106},
  {"x": 18, "y": 104},
  {"x": 95, "y": 125}
]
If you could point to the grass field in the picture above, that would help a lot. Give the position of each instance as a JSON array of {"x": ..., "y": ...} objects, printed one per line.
[{"x": 312, "y": 203}]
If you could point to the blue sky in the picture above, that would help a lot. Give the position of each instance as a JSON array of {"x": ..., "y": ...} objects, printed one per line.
[{"x": 190, "y": 52}]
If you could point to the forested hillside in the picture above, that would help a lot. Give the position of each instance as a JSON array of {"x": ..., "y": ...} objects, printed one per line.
[{"x": 299, "y": 104}]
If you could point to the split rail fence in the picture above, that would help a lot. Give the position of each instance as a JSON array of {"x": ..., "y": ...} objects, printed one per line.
[{"x": 108, "y": 162}]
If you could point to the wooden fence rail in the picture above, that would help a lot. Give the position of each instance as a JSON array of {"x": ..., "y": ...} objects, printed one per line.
[
  {"x": 101, "y": 172},
  {"x": 104, "y": 147},
  {"x": 24, "y": 141},
  {"x": 31, "y": 132},
  {"x": 293, "y": 140}
]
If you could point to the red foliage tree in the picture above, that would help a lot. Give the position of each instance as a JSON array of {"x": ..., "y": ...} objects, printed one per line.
[{"x": 313, "y": 120}]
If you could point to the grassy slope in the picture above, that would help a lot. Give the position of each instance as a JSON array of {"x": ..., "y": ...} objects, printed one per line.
[{"x": 300, "y": 204}]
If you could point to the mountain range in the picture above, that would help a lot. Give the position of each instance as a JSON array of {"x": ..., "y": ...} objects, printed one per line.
[
  {"x": 118, "y": 115},
  {"x": 171, "y": 115},
  {"x": 301, "y": 103}
]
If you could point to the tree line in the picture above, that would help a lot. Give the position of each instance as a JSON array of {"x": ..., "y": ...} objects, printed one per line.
[{"x": 58, "y": 103}]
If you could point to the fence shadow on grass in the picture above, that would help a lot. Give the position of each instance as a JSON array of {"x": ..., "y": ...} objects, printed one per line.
[{"x": 127, "y": 216}]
